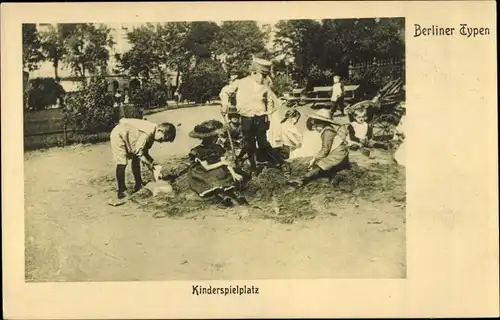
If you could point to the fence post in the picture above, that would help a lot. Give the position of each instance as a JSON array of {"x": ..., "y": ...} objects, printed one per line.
[{"x": 65, "y": 138}]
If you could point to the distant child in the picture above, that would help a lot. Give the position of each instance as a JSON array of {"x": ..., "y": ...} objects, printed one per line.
[
  {"x": 211, "y": 176},
  {"x": 361, "y": 132},
  {"x": 337, "y": 98},
  {"x": 334, "y": 154},
  {"x": 132, "y": 139}
]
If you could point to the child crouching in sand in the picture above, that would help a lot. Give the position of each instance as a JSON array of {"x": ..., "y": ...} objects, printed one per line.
[
  {"x": 211, "y": 175},
  {"x": 334, "y": 155},
  {"x": 361, "y": 132}
]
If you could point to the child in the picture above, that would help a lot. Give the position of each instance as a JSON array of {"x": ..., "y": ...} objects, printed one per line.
[
  {"x": 132, "y": 139},
  {"x": 292, "y": 138},
  {"x": 210, "y": 174},
  {"x": 334, "y": 155},
  {"x": 360, "y": 131},
  {"x": 233, "y": 129},
  {"x": 337, "y": 98}
]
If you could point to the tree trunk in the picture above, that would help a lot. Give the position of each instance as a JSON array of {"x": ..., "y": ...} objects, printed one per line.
[{"x": 56, "y": 67}]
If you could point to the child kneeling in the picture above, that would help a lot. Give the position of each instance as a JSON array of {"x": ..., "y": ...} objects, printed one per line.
[
  {"x": 361, "y": 132},
  {"x": 211, "y": 176},
  {"x": 334, "y": 154}
]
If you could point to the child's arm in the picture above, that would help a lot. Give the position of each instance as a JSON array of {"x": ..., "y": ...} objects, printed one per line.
[
  {"x": 339, "y": 137},
  {"x": 352, "y": 134},
  {"x": 225, "y": 96},
  {"x": 326, "y": 145}
]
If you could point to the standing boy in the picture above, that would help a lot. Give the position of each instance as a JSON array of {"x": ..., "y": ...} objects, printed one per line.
[
  {"x": 132, "y": 139},
  {"x": 255, "y": 102},
  {"x": 337, "y": 98}
]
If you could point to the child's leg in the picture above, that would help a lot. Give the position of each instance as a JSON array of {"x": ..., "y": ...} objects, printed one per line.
[
  {"x": 119, "y": 151},
  {"x": 236, "y": 195},
  {"x": 120, "y": 179},
  {"x": 333, "y": 108},
  {"x": 377, "y": 145},
  {"x": 222, "y": 198},
  {"x": 136, "y": 171}
]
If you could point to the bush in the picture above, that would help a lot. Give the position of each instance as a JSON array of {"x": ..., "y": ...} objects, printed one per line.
[
  {"x": 282, "y": 83},
  {"x": 43, "y": 92},
  {"x": 150, "y": 95},
  {"x": 204, "y": 82},
  {"x": 91, "y": 109},
  {"x": 370, "y": 81},
  {"x": 319, "y": 78}
]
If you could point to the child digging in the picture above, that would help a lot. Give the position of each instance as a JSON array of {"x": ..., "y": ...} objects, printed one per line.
[
  {"x": 211, "y": 175},
  {"x": 333, "y": 156},
  {"x": 234, "y": 129},
  {"x": 132, "y": 139}
]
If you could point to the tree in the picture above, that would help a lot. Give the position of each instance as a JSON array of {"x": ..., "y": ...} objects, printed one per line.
[
  {"x": 238, "y": 41},
  {"x": 31, "y": 47},
  {"x": 300, "y": 40},
  {"x": 87, "y": 48},
  {"x": 91, "y": 109},
  {"x": 143, "y": 58},
  {"x": 204, "y": 81},
  {"x": 53, "y": 44}
]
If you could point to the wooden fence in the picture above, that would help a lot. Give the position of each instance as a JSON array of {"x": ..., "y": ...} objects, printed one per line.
[{"x": 393, "y": 67}]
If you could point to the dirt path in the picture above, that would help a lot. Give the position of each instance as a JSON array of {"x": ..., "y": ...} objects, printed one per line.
[{"x": 73, "y": 235}]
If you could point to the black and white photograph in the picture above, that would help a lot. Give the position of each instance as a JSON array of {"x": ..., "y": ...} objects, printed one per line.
[{"x": 205, "y": 150}]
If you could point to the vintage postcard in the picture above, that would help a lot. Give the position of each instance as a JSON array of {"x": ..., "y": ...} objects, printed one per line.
[{"x": 249, "y": 160}]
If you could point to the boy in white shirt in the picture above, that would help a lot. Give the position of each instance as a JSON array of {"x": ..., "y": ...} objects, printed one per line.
[{"x": 337, "y": 98}]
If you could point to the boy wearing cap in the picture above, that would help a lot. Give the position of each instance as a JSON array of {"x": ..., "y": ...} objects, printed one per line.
[
  {"x": 255, "y": 102},
  {"x": 132, "y": 139}
]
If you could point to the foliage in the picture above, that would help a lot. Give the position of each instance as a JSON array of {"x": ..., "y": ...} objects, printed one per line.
[
  {"x": 239, "y": 40},
  {"x": 150, "y": 95},
  {"x": 329, "y": 45},
  {"x": 319, "y": 77},
  {"x": 43, "y": 92},
  {"x": 91, "y": 109},
  {"x": 282, "y": 83},
  {"x": 87, "y": 48},
  {"x": 31, "y": 47},
  {"x": 53, "y": 44},
  {"x": 204, "y": 82}
]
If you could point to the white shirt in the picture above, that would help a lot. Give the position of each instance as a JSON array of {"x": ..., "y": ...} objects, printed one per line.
[
  {"x": 360, "y": 129},
  {"x": 291, "y": 135},
  {"x": 250, "y": 97},
  {"x": 337, "y": 91}
]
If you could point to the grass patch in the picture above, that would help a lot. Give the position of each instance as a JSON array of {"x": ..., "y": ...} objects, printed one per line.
[{"x": 57, "y": 140}]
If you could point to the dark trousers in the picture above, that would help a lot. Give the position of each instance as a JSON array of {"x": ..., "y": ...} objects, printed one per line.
[
  {"x": 337, "y": 105},
  {"x": 255, "y": 133}
]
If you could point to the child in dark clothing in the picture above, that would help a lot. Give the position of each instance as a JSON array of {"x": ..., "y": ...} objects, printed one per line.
[{"x": 211, "y": 175}]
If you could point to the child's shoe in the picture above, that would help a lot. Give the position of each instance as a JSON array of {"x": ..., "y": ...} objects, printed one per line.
[{"x": 122, "y": 195}]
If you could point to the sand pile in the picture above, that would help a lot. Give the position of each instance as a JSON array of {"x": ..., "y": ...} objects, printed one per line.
[{"x": 271, "y": 197}]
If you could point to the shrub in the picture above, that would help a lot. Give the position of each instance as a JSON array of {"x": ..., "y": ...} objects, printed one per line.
[
  {"x": 204, "y": 82},
  {"x": 282, "y": 83},
  {"x": 150, "y": 95},
  {"x": 91, "y": 109},
  {"x": 43, "y": 92}
]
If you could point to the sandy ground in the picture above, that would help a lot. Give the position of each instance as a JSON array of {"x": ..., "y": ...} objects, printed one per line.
[{"x": 72, "y": 234}]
